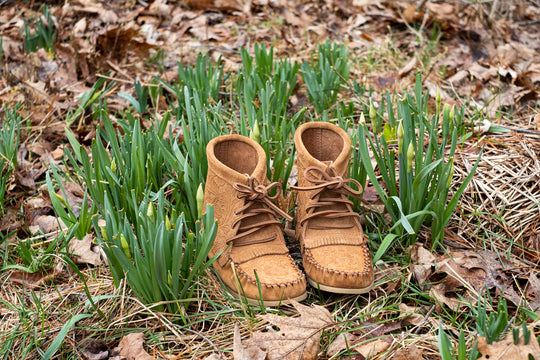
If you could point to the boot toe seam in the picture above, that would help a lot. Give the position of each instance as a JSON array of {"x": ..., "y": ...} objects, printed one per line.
[
  {"x": 308, "y": 256},
  {"x": 300, "y": 278}
]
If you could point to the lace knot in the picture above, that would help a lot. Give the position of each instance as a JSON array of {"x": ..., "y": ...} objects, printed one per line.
[
  {"x": 255, "y": 192},
  {"x": 329, "y": 196},
  {"x": 331, "y": 180}
]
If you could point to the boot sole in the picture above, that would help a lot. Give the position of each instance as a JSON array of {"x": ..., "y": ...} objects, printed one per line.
[
  {"x": 338, "y": 290},
  {"x": 266, "y": 303}
]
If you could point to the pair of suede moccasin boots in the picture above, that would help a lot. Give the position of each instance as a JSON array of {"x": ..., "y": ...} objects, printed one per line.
[{"x": 254, "y": 260}]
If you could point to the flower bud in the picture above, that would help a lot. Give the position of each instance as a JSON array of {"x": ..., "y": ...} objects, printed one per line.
[
  {"x": 446, "y": 111},
  {"x": 438, "y": 97},
  {"x": 255, "y": 133},
  {"x": 452, "y": 113},
  {"x": 451, "y": 173},
  {"x": 104, "y": 233},
  {"x": 372, "y": 111},
  {"x": 167, "y": 223},
  {"x": 400, "y": 134},
  {"x": 169, "y": 279},
  {"x": 125, "y": 246},
  {"x": 410, "y": 156},
  {"x": 362, "y": 120},
  {"x": 200, "y": 200},
  {"x": 150, "y": 211},
  {"x": 113, "y": 165}
]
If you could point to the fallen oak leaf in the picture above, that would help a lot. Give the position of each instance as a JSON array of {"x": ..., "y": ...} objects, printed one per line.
[
  {"x": 132, "y": 347},
  {"x": 83, "y": 251},
  {"x": 297, "y": 338},
  {"x": 47, "y": 224},
  {"x": 536, "y": 121},
  {"x": 367, "y": 340},
  {"x": 94, "y": 350},
  {"x": 225, "y": 5},
  {"x": 414, "y": 316},
  {"x": 422, "y": 263},
  {"x": 409, "y": 352},
  {"x": 506, "y": 349},
  {"x": 462, "y": 274},
  {"x": 94, "y": 7},
  {"x": 241, "y": 352},
  {"x": 372, "y": 348},
  {"x": 534, "y": 288},
  {"x": 35, "y": 279}
]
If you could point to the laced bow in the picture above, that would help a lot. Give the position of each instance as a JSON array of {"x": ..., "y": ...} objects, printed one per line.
[
  {"x": 253, "y": 193},
  {"x": 332, "y": 181}
]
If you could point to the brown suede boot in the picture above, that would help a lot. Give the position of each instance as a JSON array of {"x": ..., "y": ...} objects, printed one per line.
[
  {"x": 334, "y": 249},
  {"x": 254, "y": 260}
]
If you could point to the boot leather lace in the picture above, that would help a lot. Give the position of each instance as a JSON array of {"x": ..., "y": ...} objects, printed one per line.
[
  {"x": 330, "y": 190},
  {"x": 257, "y": 201}
]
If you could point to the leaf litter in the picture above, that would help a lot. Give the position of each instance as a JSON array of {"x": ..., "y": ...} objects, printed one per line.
[
  {"x": 458, "y": 279},
  {"x": 297, "y": 337}
]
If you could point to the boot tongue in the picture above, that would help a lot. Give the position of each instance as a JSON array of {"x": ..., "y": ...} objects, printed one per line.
[{"x": 328, "y": 165}]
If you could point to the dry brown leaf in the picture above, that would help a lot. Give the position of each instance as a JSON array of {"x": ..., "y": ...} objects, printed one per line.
[
  {"x": 422, "y": 263},
  {"x": 414, "y": 316},
  {"x": 95, "y": 350},
  {"x": 226, "y": 5},
  {"x": 410, "y": 15},
  {"x": 83, "y": 250},
  {"x": 117, "y": 39},
  {"x": 36, "y": 206},
  {"x": 408, "y": 67},
  {"x": 506, "y": 349},
  {"x": 26, "y": 180},
  {"x": 94, "y": 7},
  {"x": 534, "y": 290},
  {"x": 47, "y": 224},
  {"x": 79, "y": 28},
  {"x": 245, "y": 353},
  {"x": 9, "y": 221},
  {"x": 214, "y": 356},
  {"x": 482, "y": 73},
  {"x": 132, "y": 347},
  {"x": 368, "y": 349},
  {"x": 297, "y": 338},
  {"x": 341, "y": 342},
  {"x": 40, "y": 147},
  {"x": 444, "y": 12},
  {"x": 466, "y": 274},
  {"x": 372, "y": 348},
  {"x": 160, "y": 8},
  {"x": 409, "y": 352},
  {"x": 367, "y": 340},
  {"x": 35, "y": 279},
  {"x": 537, "y": 121},
  {"x": 444, "y": 295}
]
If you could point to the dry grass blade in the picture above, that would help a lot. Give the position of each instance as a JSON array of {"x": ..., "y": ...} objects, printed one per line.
[{"x": 501, "y": 203}]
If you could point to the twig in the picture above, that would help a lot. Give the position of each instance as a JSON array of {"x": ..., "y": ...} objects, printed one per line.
[
  {"x": 424, "y": 320},
  {"x": 527, "y": 23},
  {"x": 421, "y": 5},
  {"x": 525, "y": 131}
]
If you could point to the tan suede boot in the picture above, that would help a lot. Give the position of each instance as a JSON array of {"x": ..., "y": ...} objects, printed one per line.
[
  {"x": 334, "y": 248},
  {"x": 254, "y": 260}
]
